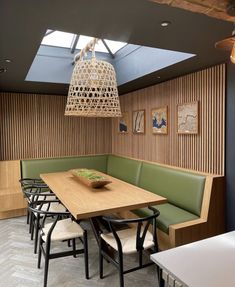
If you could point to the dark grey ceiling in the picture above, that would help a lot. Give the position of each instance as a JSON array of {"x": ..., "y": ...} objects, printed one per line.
[{"x": 24, "y": 23}]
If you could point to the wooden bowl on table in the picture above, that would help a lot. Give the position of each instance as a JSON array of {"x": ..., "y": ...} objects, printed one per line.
[{"x": 90, "y": 177}]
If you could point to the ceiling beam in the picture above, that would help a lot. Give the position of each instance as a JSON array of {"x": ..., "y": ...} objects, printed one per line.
[
  {"x": 75, "y": 41},
  {"x": 107, "y": 47},
  {"x": 49, "y": 32},
  {"x": 220, "y": 9}
]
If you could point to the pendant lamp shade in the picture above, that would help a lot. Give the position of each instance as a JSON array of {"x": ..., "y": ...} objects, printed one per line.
[
  {"x": 93, "y": 90},
  {"x": 228, "y": 44}
]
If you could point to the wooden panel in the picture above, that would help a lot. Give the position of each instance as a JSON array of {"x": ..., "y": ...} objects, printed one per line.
[
  {"x": 212, "y": 8},
  {"x": 34, "y": 126},
  {"x": 85, "y": 202},
  {"x": 202, "y": 152},
  {"x": 13, "y": 213},
  {"x": 9, "y": 174},
  {"x": 11, "y": 196}
]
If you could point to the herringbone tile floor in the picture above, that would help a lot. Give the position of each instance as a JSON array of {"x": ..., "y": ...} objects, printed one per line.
[{"x": 18, "y": 264}]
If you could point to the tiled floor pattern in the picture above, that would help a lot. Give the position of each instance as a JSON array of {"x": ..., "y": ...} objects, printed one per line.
[{"x": 18, "y": 264}]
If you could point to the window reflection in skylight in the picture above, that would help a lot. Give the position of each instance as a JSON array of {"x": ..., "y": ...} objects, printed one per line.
[
  {"x": 115, "y": 46},
  {"x": 58, "y": 39}
]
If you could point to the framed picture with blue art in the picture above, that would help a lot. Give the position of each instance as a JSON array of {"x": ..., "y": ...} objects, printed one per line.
[
  {"x": 123, "y": 123},
  {"x": 138, "y": 121},
  {"x": 159, "y": 120}
]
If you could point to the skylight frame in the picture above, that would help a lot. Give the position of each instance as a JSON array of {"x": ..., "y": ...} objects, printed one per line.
[{"x": 73, "y": 42}]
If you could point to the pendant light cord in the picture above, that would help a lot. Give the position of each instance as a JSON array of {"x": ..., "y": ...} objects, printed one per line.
[{"x": 89, "y": 47}]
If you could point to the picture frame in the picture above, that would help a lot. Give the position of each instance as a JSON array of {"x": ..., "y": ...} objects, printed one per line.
[
  {"x": 138, "y": 122},
  {"x": 123, "y": 123},
  {"x": 159, "y": 121},
  {"x": 187, "y": 118}
]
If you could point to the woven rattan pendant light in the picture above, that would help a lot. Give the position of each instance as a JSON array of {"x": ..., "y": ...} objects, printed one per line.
[{"x": 93, "y": 87}]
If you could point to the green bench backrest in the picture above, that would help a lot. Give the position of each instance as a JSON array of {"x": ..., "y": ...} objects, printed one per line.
[
  {"x": 34, "y": 167},
  {"x": 123, "y": 168},
  {"x": 182, "y": 189}
]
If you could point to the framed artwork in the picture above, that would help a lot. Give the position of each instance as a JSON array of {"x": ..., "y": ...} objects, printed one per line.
[
  {"x": 123, "y": 123},
  {"x": 187, "y": 118},
  {"x": 159, "y": 120},
  {"x": 138, "y": 122}
]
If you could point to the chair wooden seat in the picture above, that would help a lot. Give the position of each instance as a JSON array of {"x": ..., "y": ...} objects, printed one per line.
[
  {"x": 128, "y": 240},
  {"x": 65, "y": 229}
]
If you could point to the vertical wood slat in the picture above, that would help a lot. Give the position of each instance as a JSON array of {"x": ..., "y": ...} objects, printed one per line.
[
  {"x": 34, "y": 126},
  {"x": 202, "y": 152}
]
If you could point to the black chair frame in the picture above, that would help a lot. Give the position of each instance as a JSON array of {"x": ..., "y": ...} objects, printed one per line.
[
  {"x": 104, "y": 249},
  {"x": 46, "y": 251},
  {"x": 32, "y": 194}
]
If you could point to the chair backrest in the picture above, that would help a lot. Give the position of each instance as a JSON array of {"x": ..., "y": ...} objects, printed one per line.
[
  {"x": 142, "y": 223},
  {"x": 34, "y": 192}
]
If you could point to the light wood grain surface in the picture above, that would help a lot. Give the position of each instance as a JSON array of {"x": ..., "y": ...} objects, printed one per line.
[
  {"x": 86, "y": 202},
  {"x": 34, "y": 126},
  {"x": 12, "y": 201},
  {"x": 203, "y": 152}
]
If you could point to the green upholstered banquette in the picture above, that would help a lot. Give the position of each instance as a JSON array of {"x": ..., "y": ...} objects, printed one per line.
[{"x": 183, "y": 190}]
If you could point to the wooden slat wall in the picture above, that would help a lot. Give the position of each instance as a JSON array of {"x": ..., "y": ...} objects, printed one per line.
[
  {"x": 34, "y": 126},
  {"x": 203, "y": 152}
]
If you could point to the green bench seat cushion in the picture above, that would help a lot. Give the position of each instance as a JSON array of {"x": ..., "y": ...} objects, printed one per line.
[
  {"x": 182, "y": 189},
  {"x": 33, "y": 168},
  {"x": 123, "y": 168},
  {"x": 169, "y": 214}
]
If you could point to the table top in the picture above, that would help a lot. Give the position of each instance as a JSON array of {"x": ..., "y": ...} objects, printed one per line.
[
  {"x": 85, "y": 202},
  {"x": 205, "y": 263}
]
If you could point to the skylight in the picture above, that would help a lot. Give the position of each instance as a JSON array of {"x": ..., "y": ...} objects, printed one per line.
[
  {"x": 66, "y": 40},
  {"x": 58, "y": 39}
]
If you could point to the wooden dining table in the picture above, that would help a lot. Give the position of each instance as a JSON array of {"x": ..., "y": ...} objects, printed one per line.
[{"x": 84, "y": 202}]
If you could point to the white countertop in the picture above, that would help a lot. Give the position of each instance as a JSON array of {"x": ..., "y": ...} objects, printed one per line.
[{"x": 205, "y": 263}]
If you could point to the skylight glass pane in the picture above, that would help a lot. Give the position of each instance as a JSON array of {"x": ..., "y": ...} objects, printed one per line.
[
  {"x": 114, "y": 46},
  {"x": 58, "y": 39},
  {"x": 83, "y": 40}
]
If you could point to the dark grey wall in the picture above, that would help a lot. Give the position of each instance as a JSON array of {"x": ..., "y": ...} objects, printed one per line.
[{"x": 230, "y": 147}]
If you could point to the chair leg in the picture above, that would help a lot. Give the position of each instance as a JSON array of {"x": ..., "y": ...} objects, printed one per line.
[
  {"x": 40, "y": 252},
  {"x": 36, "y": 234},
  {"x": 32, "y": 226},
  {"x": 101, "y": 261},
  {"x": 46, "y": 263},
  {"x": 140, "y": 258},
  {"x": 121, "y": 270},
  {"x": 27, "y": 217},
  {"x": 74, "y": 247},
  {"x": 69, "y": 244},
  {"x": 86, "y": 254},
  {"x": 161, "y": 282},
  {"x": 30, "y": 221}
]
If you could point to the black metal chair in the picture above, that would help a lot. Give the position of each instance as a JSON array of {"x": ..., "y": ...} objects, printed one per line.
[
  {"x": 40, "y": 186},
  {"x": 59, "y": 230},
  {"x": 128, "y": 241},
  {"x": 34, "y": 193}
]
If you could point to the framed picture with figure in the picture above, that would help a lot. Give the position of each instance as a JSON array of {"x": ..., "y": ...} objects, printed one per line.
[
  {"x": 138, "y": 122},
  {"x": 123, "y": 123},
  {"x": 159, "y": 121}
]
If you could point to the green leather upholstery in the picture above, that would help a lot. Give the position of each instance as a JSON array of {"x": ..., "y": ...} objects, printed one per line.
[
  {"x": 34, "y": 167},
  {"x": 123, "y": 168},
  {"x": 182, "y": 189},
  {"x": 169, "y": 214}
]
